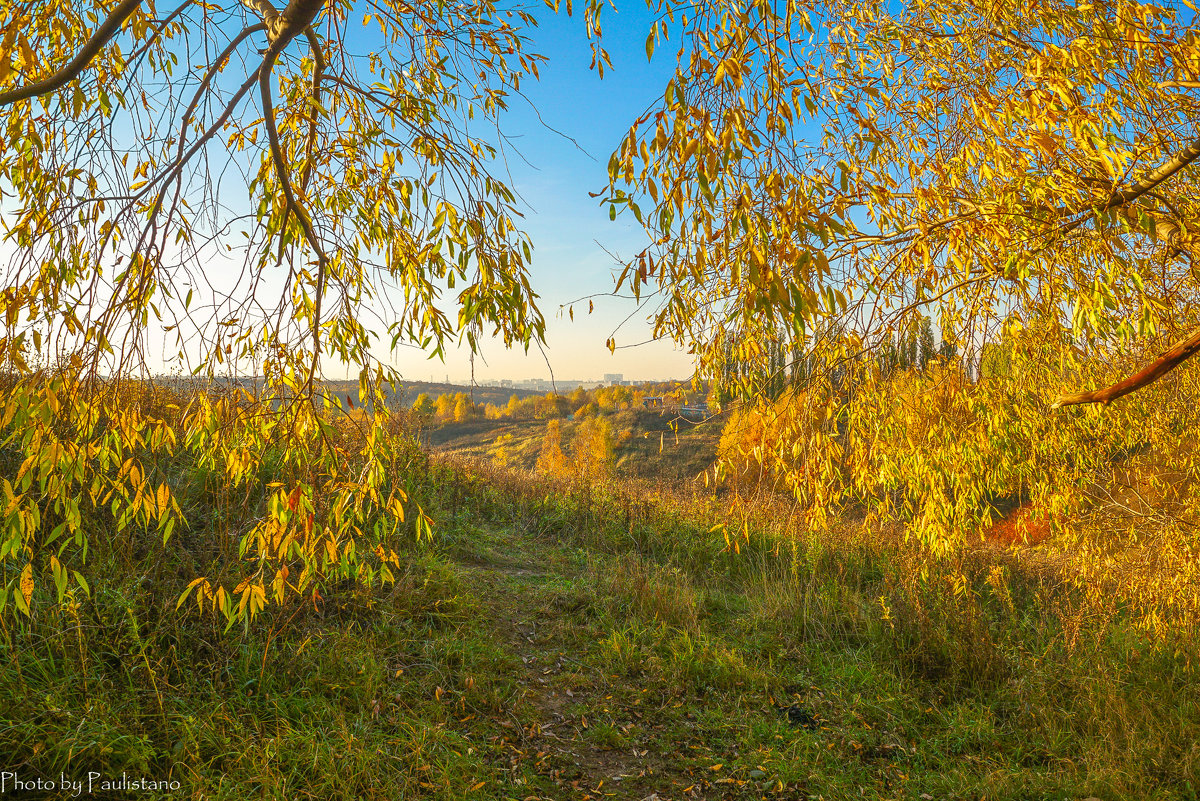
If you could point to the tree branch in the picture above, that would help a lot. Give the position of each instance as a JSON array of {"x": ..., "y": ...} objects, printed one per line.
[
  {"x": 297, "y": 16},
  {"x": 90, "y": 49},
  {"x": 1165, "y": 171},
  {"x": 176, "y": 165},
  {"x": 1182, "y": 350},
  {"x": 1133, "y": 192},
  {"x": 291, "y": 205},
  {"x": 270, "y": 16},
  {"x": 319, "y": 65},
  {"x": 1165, "y": 363}
]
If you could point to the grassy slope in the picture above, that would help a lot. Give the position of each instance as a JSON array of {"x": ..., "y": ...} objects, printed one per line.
[
  {"x": 658, "y": 446},
  {"x": 556, "y": 644}
]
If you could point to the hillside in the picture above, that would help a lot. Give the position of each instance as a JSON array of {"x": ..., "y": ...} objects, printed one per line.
[
  {"x": 652, "y": 445},
  {"x": 553, "y": 643},
  {"x": 405, "y": 394}
]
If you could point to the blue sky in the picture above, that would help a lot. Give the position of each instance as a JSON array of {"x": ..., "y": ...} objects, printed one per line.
[{"x": 570, "y": 230}]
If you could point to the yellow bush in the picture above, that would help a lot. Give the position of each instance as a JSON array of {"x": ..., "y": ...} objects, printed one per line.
[
  {"x": 463, "y": 408},
  {"x": 592, "y": 449},
  {"x": 551, "y": 458}
]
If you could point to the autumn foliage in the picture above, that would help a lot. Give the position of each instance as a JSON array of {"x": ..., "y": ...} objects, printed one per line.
[
  {"x": 191, "y": 460},
  {"x": 589, "y": 457},
  {"x": 952, "y": 460}
]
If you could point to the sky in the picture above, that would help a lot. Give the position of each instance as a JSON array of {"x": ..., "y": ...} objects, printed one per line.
[{"x": 564, "y": 131}]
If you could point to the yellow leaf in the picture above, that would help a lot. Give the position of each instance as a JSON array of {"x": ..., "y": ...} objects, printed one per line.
[
  {"x": 26, "y": 584},
  {"x": 6, "y": 48},
  {"x": 1046, "y": 142},
  {"x": 26, "y": 53}
]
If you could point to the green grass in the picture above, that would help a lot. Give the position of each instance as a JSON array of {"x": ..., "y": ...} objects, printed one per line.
[{"x": 558, "y": 644}]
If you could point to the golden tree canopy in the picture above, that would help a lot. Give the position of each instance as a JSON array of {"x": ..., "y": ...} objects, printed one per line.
[
  {"x": 821, "y": 171},
  {"x": 813, "y": 171}
]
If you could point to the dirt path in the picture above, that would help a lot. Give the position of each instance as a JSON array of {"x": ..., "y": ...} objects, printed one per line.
[
  {"x": 565, "y": 721},
  {"x": 613, "y": 692}
]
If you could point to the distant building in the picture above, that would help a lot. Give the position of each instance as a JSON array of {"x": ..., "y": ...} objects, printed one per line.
[
  {"x": 655, "y": 402},
  {"x": 614, "y": 378}
]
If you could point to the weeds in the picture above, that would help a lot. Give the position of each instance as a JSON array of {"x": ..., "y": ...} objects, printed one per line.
[{"x": 550, "y": 636}]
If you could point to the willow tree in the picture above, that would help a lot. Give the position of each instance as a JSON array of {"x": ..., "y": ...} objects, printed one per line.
[
  {"x": 856, "y": 164},
  {"x": 338, "y": 153},
  {"x": 243, "y": 188},
  {"x": 840, "y": 169}
]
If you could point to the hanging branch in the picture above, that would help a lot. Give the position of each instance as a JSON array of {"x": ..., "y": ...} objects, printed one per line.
[
  {"x": 319, "y": 65},
  {"x": 1165, "y": 363},
  {"x": 296, "y": 19}
]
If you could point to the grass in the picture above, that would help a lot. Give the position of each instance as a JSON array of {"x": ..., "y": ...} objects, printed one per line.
[
  {"x": 656, "y": 447},
  {"x": 554, "y": 642}
]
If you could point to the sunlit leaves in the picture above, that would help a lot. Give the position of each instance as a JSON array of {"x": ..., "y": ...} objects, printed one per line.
[
  {"x": 128, "y": 462},
  {"x": 377, "y": 147},
  {"x": 140, "y": 193},
  {"x": 969, "y": 158},
  {"x": 816, "y": 178}
]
